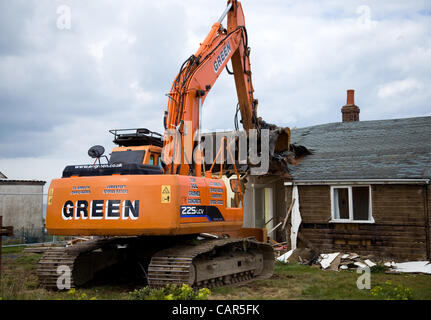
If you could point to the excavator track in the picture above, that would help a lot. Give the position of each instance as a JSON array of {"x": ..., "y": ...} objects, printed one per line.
[
  {"x": 199, "y": 263},
  {"x": 74, "y": 258},
  {"x": 212, "y": 263},
  {"x": 49, "y": 263}
]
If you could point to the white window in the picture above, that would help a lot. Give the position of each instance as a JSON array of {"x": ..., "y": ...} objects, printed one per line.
[{"x": 351, "y": 204}]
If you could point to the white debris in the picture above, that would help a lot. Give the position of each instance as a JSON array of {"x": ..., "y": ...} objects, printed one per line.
[
  {"x": 369, "y": 263},
  {"x": 360, "y": 264},
  {"x": 295, "y": 218},
  {"x": 341, "y": 261},
  {"x": 327, "y": 258},
  {"x": 284, "y": 257},
  {"x": 413, "y": 267}
]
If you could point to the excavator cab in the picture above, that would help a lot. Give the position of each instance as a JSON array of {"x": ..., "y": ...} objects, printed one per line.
[
  {"x": 139, "y": 146},
  {"x": 138, "y": 152},
  {"x": 148, "y": 155}
]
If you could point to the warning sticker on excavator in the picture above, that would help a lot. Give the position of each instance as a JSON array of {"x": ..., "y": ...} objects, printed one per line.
[
  {"x": 50, "y": 193},
  {"x": 166, "y": 193}
]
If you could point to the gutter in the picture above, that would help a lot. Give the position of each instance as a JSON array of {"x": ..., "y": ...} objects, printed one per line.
[
  {"x": 358, "y": 182},
  {"x": 427, "y": 223},
  {"x": 23, "y": 194}
]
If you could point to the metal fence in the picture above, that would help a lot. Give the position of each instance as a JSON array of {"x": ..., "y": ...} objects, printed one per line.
[{"x": 26, "y": 236}]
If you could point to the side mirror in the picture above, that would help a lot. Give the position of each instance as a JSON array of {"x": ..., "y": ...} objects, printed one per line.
[{"x": 236, "y": 185}]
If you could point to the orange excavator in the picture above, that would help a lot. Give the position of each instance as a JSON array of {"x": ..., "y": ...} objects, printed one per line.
[{"x": 154, "y": 206}]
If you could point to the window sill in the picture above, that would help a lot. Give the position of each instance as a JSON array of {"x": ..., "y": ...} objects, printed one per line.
[{"x": 352, "y": 221}]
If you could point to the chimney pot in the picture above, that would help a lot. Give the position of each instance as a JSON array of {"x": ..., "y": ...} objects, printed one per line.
[{"x": 350, "y": 97}]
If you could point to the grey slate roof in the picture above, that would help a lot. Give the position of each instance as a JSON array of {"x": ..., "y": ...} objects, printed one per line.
[{"x": 382, "y": 149}]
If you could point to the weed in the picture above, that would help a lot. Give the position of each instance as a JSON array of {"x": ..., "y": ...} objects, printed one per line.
[
  {"x": 170, "y": 292},
  {"x": 378, "y": 268},
  {"x": 75, "y": 295},
  {"x": 388, "y": 291}
]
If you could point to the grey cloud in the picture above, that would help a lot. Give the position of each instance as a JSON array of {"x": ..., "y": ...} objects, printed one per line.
[
  {"x": 13, "y": 22},
  {"x": 57, "y": 98},
  {"x": 55, "y": 80}
]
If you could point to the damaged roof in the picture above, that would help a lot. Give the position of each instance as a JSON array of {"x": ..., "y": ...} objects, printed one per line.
[{"x": 382, "y": 149}]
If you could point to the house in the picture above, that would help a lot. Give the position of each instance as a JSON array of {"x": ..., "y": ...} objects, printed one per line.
[
  {"x": 364, "y": 189},
  {"x": 21, "y": 205}
]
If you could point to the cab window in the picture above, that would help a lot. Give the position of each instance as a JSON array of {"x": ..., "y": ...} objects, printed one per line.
[
  {"x": 151, "y": 160},
  {"x": 129, "y": 156}
]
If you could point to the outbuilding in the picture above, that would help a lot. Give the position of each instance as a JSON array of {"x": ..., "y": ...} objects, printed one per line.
[{"x": 21, "y": 205}]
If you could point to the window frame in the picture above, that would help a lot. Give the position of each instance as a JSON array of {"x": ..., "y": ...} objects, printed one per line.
[
  {"x": 350, "y": 196},
  {"x": 271, "y": 205},
  {"x": 154, "y": 160}
]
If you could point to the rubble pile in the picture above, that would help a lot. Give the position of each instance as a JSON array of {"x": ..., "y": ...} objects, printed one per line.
[
  {"x": 343, "y": 261},
  {"x": 348, "y": 261}
]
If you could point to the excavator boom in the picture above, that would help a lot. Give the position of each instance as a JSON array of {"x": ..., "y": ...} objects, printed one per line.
[{"x": 195, "y": 80}]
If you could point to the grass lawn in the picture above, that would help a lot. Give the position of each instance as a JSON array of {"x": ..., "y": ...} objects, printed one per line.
[
  {"x": 290, "y": 281},
  {"x": 295, "y": 281}
]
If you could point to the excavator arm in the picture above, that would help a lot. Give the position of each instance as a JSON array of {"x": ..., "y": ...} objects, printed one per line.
[{"x": 195, "y": 80}]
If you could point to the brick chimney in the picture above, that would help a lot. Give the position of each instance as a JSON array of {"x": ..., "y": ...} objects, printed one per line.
[{"x": 350, "y": 111}]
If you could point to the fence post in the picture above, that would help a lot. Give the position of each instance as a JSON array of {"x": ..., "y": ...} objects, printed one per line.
[
  {"x": 1, "y": 240},
  {"x": 6, "y": 231}
]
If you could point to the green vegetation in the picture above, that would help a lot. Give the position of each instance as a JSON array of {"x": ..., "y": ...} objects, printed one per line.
[
  {"x": 290, "y": 281},
  {"x": 388, "y": 291},
  {"x": 9, "y": 250},
  {"x": 296, "y": 281},
  {"x": 170, "y": 292},
  {"x": 75, "y": 295},
  {"x": 378, "y": 268}
]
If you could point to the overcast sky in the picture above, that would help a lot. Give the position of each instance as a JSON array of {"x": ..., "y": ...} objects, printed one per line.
[{"x": 62, "y": 89}]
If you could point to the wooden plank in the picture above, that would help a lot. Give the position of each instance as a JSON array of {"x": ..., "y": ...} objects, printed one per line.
[{"x": 288, "y": 214}]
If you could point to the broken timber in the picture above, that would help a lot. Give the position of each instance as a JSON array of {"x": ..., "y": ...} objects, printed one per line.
[{"x": 301, "y": 237}]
